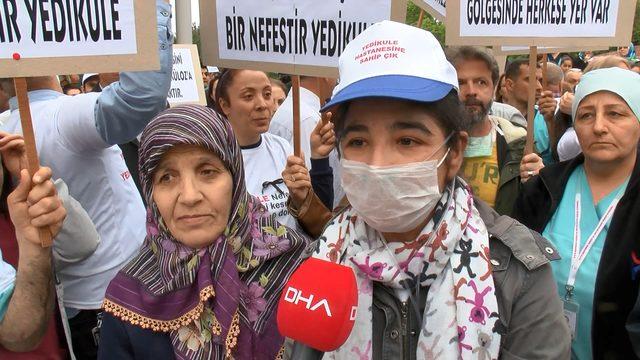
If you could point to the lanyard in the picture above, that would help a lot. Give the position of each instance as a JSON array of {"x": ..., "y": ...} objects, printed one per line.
[{"x": 578, "y": 255}]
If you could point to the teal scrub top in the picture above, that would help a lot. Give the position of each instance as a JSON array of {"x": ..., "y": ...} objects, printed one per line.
[
  {"x": 541, "y": 137},
  {"x": 560, "y": 232}
]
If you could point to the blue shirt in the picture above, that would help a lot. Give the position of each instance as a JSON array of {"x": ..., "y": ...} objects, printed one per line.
[
  {"x": 560, "y": 232},
  {"x": 7, "y": 282}
]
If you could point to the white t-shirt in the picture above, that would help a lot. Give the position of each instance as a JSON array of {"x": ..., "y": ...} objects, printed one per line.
[
  {"x": 97, "y": 176},
  {"x": 265, "y": 163},
  {"x": 4, "y": 116},
  {"x": 282, "y": 121},
  {"x": 282, "y": 125},
  {"x": 568, "y": 145}
]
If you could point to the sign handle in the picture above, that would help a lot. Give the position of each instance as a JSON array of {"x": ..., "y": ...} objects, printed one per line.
[
  {"x": 20, "y": 83},
  {"x": 295, "y": 81},
  {"x": 544, "y": 72},
  {"x": 533, "y": 61},
  {"x": 420, "y": 18}
]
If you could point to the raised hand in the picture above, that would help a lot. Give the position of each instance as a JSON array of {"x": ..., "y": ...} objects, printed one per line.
[
  {"x": 323, "y": 138},
  {"x": 14, "y": 156},
  {"x": 34, "y": 208},
  {"x": 298, "y": 181}
]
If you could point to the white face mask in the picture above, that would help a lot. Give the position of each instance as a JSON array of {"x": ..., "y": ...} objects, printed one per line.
[{"x": 393, "y": 198}]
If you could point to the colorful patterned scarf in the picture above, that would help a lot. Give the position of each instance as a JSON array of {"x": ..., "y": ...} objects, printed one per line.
[
  {"x": 219, "y": 301},
  {"x": 450, "y": 256}
]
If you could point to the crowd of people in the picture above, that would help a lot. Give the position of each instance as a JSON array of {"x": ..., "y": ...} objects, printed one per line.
[{"x": 176, "y": 229}]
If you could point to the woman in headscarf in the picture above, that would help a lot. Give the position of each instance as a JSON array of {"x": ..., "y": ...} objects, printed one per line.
[
  {"x": 439, "y": 275},
  {"x": 213, "y": 265},
  {"x": 589, "y": 208}
]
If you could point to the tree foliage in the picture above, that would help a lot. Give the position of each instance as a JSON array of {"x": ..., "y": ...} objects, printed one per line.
[{"x": 429, "y": 23}]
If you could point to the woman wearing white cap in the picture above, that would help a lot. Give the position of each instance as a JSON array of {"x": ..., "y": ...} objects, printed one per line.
[
  {"x": 589, "y": 208},
  {"x": 439, "y": 275}
]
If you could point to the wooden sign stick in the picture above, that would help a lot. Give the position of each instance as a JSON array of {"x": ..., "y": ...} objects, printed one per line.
[
  {"x": 544, "y": 73},
  {"x": 420, "y": 18},
  {"x": 295, "y": 82},
  {"x": 533, "y": 61},
  {"x": 20, "y": 83}
]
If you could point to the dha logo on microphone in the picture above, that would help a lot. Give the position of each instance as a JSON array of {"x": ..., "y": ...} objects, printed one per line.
[{"x": 294, "y": 296}]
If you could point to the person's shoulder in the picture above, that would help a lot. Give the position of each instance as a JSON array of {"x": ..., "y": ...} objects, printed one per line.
[
  {"x": 275, "y": 142},
  {"x": 502, "y": 108},
  {"x": 510, "y": 131},
  {"x": 509, "y": 239}
]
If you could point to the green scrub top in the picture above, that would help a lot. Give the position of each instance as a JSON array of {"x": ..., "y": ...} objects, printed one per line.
[
  {"x": 560, "y": 232},
  {"x": 541, "y": 138}
]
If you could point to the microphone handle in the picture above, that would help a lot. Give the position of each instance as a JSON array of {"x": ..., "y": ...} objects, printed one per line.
[{"x": 304, "y": 352}]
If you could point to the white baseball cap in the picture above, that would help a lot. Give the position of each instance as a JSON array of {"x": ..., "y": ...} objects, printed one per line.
[
  {"x": 394, "y": 60},
  {"x": 86, "y": 77}
]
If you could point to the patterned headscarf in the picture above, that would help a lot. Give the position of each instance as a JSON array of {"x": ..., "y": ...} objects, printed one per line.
[{"x": 220, "y": 300}]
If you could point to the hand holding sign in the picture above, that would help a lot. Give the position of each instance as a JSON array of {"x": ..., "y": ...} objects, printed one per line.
[{"x": 323, "y": 138}]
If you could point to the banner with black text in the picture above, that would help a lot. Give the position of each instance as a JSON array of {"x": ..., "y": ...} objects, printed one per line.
[
  {"x": 48, "y": 37},
  {"x": 303, "y": 37},
  {"x": 550, "y": 23}
]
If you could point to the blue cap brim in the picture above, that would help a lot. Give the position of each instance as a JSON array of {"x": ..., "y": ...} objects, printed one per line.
[{"x": 401, "y": 87}]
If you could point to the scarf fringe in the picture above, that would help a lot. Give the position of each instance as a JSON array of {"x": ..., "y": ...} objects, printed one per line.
[
  {"x": 144, "y": 322},
  {"x": 232, "y": 335}
]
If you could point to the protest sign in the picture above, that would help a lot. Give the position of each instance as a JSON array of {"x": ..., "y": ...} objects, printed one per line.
[
  {"x": 435, "y": 8},
  {"x": 50, "y": 37},
  {"x": 524, "y": 50},
  {"x": 187, "y": 86},
  {"x": 302, "y": 37},
  {"x": 555, "y": 23}
]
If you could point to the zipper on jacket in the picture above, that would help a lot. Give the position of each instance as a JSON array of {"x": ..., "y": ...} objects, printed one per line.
[{"x": 404, "y": 331}]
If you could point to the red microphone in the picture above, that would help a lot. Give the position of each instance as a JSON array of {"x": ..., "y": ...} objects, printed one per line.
[{"x": 318, "y": 305}]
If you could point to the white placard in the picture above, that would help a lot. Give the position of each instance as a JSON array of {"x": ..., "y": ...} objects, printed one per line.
[
  {"x": 437, "y": 8},
  {"x": 66, "y": 28},
  {"x": 296, "y": 33},
  {"x": 186, "y": 77},
  {"x": 538, "y": 18},
  {"x": 541, "y": 23}
]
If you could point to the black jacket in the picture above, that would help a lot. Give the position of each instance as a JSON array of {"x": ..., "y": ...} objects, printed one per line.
[{"x": 616, "y": 286}]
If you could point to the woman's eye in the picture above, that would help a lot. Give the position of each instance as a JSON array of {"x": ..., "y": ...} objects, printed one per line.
[
  {"x": 614, "y": 114},
  {"x": 165, "y": 178},
  {"x": 584, "y": 116},
  {"x": 208, "y": 172},
  {"x": 248, "y": 97},
  {"x": 355, "y": 143},
  {"x": 406, "y": 141}
]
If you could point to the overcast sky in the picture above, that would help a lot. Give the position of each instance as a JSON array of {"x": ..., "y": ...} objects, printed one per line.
[{"x": 195, "y": 12}]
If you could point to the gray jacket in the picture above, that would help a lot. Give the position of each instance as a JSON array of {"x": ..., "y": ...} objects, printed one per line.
[
  {"x": 508, "y": 112},
  {"x": 78, "y": 238},
  {"x": 531, "y": 318},
  {"x": 76, "y": 241}
]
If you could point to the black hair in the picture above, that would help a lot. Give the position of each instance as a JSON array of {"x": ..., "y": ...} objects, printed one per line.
[
  {"x": 66, "y": 88},
  {"x": 7, "y": 188},
  {"x": 448, "y": 112},
  {"x": 461, "y": 53},
  {"x": 225, "y": 79},
  {"x": 513, "y": 68},
  {"x": 565, "y": 58}
]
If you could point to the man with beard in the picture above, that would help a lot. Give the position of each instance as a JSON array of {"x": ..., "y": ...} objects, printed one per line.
[{"x": 492, "y": 160}]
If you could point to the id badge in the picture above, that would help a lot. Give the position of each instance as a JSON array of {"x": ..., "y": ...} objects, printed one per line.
[{"x": 571, "y": 310}]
